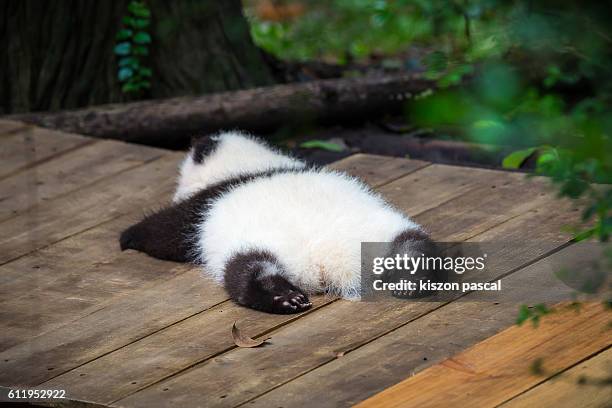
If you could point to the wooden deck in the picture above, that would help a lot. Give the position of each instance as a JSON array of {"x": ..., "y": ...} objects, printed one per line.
[{"x": 121, "y": 329}]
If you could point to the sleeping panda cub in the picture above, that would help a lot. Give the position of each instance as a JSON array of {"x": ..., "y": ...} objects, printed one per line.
[{"x": 268, "y": 227}]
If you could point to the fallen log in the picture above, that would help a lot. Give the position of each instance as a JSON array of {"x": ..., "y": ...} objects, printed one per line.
[{"x": 167, "y": 122}]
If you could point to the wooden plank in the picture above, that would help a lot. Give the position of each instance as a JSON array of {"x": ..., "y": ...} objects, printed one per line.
[
  {"x": 38, "y": 228},
  {"x": 8, "y": 127},
  {"x": 428, "y": 340},
  {"x": 179, "y": 291},
  {"x": 378, "y": 170},
  {"x": 85, "y": 208},
  {"x": 585, "y": 385},
  {"x": 69, "y": 172},
  {"x": 143, "y": 372},
  {"x": 67, "y": 284},
  {"x": 304, "y": 345},
  {"x": 498, "y": 368},
  {"x": 489, "y": 205},
  {"x": 436, "y": 184},
  {"x": 311, "y": 341},
  {"x": 110, "y": 326},
  {"x": 79, "y": 272},
  {"x": 162, "y": 354},
  {"x": 371, "y": 169},
  {"x": 240, "y": 375},
  {"x": 57, "y": 284},
  {"x": 431, "y": 187},
  {"x": 27, "y": 146},
  {"x": 60, "y": 283}
]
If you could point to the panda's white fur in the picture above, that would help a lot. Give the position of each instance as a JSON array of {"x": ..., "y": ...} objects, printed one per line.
[
  {"x": 312, "y": 220},
  {"x": 235, "y": 154}
]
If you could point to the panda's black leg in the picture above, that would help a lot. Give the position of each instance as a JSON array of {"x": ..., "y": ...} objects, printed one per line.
[
  {"x": 164, "y": 234},
  {"x": 253, "y": 279},
  {"x": 413, "y": 243}
]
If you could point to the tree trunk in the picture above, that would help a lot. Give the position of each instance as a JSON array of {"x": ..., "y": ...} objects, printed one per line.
[
  {"x": 172, "y": 122},
  {"x": 59, "y": 54}
]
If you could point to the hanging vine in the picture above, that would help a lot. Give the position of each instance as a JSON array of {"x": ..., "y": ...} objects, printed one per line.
[{"x": 132, "y": 48}]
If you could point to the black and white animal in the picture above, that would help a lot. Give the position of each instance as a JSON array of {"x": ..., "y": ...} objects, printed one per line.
[{"x": 268, "y": 227}]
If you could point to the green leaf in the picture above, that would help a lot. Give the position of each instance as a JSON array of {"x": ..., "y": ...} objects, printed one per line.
[
  {"x": 455, "y": 75},
  {"x": 140, "y": 50},
  {"x": 542, "y": 309},
  {"x": 546, "y": 159},
  {"x": 129, "y": 87},
  {"x": 321, "y": 144},
  {"x": 129, "y": 62},
  {"x": 515, "y": 159},
  {"x": 125, "y": 73},
  {"x": 145, "y": 72},
  {"x": 358, "y": 49},
  {"x": 124, "y": 34},
  {"x": 588, "y": 212},
  {"x": 574, "y": 188},
  {"x": 436, "y": 62},
  {"x": 128, "y": 21},
  {"x": 549, "y": 82},
  {"x": 139, "y": 9},
  {"x": 523, "y": 315},
  {"x": 488, "y": 124},
  {"x": 586, "y": 234},
  {"x": 142, "y": 37},
  {"x": 123, "y": 48},
  {"x": 140, "y": 23}
]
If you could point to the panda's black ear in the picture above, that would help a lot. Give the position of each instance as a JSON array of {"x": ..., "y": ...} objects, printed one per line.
[{"x": 202, "y": 147}]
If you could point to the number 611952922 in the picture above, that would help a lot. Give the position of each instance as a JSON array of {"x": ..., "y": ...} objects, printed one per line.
[{"x": 36, "y": 394}]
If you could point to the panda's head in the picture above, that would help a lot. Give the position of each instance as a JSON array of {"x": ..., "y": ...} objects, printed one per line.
[{"x": 226, "y": 155}]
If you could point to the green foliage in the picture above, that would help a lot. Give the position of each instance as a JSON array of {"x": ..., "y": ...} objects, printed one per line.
[
  {"x": 539, "y": 77},
  {"x": 539, "y": 82},
  {"x": 132, "y": 46},
  {"x": 580, "y": 173},
  {"x": 340, "y": 30},
  {"x": 541, "y": 85},
  {"x": 142, "y": 38},
  {"x": 139, "y": 9},
  {"x": 532, "y": 313},
  {"x": 516, "y": 159},
  {"x": 123, "y": 48},
  {"x": 124, "y": 34},
  {"x": 322, "y": 144}
]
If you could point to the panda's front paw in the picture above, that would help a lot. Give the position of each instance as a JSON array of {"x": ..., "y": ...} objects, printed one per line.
[
  {"x": 292, "y": 302},
  {"x": 412, "y": 294},
  {"x": 411, "y": 288},
  {"x": 275, "y": 294}
]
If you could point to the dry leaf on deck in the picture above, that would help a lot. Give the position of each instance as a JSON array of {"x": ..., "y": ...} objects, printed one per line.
[{"x": 242, "y": 340}]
